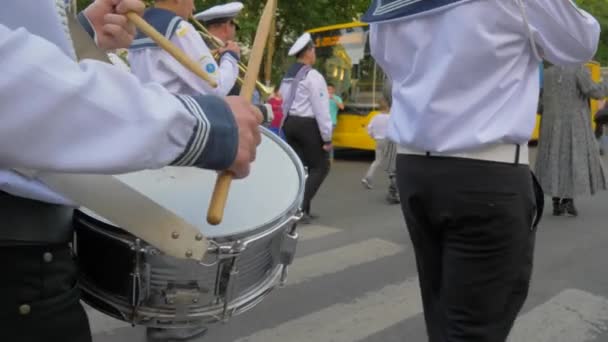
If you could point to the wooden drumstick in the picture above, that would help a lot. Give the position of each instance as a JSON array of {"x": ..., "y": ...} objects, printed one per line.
[
  {"x": 166, "y": 45},
  {"x": 217, "y": 205}
]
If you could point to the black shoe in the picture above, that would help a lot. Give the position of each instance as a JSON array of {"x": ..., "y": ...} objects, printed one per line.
[
  {"x": 558, "y": 208},
  {"x": 393, "y": 198},
  {"x": 307, "y": 219},
  {"x": 172, "y": 334},
  {"x": 568, "y": 208}
]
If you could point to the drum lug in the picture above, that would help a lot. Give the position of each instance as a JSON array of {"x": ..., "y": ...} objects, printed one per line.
[
  {"x": 182, "y": 296},
  {"x": 139, "y": 285},
  {"x": 233, "y": 275},
  {"x": 288, "y": 252}
]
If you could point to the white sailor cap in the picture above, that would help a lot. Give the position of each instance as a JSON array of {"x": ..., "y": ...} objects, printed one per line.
[
  {"x": 220, "y": 13},
  {"x": 300, "y": 44}
]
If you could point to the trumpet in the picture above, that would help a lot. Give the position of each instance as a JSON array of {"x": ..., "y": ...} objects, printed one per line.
[{"x": 217, "y": 44}]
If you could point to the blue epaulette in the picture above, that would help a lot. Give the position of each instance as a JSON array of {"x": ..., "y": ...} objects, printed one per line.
[
  {"x": 387, "y": 10},
  {"x": 164, "y": 21}
]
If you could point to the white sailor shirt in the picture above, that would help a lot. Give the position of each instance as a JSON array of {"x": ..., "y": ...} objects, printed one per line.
[
  {"x": 311, "y": 101},
  {"x": 466, "y": 76},
  {"x": 92, "y": 117},
  {"x": 152, "y": 64}
]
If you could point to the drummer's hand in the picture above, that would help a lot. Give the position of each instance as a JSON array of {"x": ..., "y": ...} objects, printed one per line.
[
  {"x": 248, "y": 119},
  {"x": 112, "y": 28},
  {"x": 231, "y": 46}
]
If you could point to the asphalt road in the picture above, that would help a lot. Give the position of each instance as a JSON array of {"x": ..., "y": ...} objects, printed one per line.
[{"x": 354, "y": 277}]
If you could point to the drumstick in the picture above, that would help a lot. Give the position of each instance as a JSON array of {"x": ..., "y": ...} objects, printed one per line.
[
  {"x": 217, "y": 205},
  {"x": 166, "y": 45}
]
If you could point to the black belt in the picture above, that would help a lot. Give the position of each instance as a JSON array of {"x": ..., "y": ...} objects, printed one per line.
[{"x": 29, "y": 222}]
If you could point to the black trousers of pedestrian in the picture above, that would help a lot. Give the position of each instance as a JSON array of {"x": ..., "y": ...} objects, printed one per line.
[
  {"x": 39, "y": 300},
  {"x": 303, "y": 135},
  {"x": 472, "y": 227}
]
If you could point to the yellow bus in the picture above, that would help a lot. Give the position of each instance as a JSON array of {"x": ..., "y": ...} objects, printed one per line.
[{"x": 344, "y": 58}]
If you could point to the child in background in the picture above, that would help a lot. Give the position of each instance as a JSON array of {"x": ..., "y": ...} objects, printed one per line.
[
  {"x": 276, "y": 101},
  {"x": 377, "y": 130},
  {"x": 335, "y": 104}
]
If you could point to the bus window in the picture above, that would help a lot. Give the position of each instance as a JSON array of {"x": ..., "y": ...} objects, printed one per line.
[{"x": 343, "y": 57}]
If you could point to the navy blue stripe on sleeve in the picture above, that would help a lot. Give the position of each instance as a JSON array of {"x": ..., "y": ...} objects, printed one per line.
[
  {"x": 214, "y": 142},
  {"x": 86, "y": 24}
]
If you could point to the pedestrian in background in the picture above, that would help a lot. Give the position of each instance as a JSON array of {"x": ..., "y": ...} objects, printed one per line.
[{"x": 568, "y": 162}]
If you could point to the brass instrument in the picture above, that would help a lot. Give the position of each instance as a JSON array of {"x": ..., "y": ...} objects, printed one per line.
[{"x": 216, "y": 43}]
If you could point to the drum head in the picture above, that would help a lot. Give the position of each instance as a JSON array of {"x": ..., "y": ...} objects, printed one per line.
[{"x": 272, "y": 190}]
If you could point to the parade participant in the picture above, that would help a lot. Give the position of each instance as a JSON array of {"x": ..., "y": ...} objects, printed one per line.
[
  {"x": 150, "y": 63},
  {"x": 72, "y": 127},
  {"x": 221, "y": 23},
  {"x": 307, "y": 124},
  {"x": 465, "y": 93}
]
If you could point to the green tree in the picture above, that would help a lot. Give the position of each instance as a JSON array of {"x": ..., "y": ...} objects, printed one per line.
[{"x": 599, "y": 9}]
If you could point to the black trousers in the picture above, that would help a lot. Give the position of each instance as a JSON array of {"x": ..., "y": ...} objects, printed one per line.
[
  {"x": 472, "y": 227},
  {"x": 39, "y": 300},
  {"x": 303, "y": 135}
]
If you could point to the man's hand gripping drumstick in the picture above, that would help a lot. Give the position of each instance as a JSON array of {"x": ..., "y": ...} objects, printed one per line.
[{"x": 222, "y": 185}]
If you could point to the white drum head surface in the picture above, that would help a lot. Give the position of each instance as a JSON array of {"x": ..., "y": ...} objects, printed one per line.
[{"x": 270, "y": 190}]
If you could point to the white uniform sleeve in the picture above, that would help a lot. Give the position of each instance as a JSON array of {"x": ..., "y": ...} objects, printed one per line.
[
  {"x": 63, "y": 116},
  {"x": 564, "y": 33},
  {"x": 319, "y": 98},
  {"x": 190, "y": 41}
]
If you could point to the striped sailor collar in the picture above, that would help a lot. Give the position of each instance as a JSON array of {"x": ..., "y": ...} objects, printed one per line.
[
  {"x": 164, "y": 21},
  {"x": 388, "y": 10}
]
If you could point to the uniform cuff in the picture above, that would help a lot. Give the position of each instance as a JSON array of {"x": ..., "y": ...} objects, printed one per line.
[
  {"x": 214, "y": 142},
  {"x": 231, "y": 53},
  {"x": 86, "y": 24}
]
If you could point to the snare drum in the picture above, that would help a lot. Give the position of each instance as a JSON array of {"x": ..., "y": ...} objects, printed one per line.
[{"x": 129, "y": 279}]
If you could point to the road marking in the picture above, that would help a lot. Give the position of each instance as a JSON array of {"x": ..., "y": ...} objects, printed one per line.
[
  {"x": 310, "y": 232},
  {"x": 349, "y": 322},
  {"x": 102, "y": 323},
  {"x": 338, "y": 259},
  {"x": 571, "y": 316}
]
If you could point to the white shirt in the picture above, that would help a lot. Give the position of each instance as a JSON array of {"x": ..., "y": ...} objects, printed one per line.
[
  {"x": 378, "y": 126},
  {"x": 311, "y": 101},
  {"x": 59, "y": 115},
  {"x": 157, "y": 65},
  {"x": 467, "y": 76}
]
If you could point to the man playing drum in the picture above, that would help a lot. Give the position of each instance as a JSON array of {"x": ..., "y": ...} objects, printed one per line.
[{"x": 86, "y": 117}]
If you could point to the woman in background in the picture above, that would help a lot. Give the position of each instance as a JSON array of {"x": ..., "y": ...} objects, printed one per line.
[{"x": 568, "y": 163}]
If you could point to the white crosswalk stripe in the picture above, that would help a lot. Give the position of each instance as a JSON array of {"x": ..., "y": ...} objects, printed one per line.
[
  {"x": 102, "y": 323},
  {"x": 572, "y": 315},
  {"x": 339, "y": 259},
  {"x": 311, "y": 232},
  {"x": 349, "y": 322}
]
